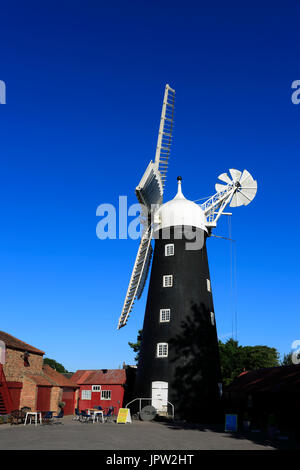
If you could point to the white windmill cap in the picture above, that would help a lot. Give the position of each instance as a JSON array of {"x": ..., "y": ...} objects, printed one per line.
[{"x": 180, "y": 211}]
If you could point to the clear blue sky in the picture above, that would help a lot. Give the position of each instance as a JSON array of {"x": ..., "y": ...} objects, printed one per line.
[{"x": 85, "y": 82}]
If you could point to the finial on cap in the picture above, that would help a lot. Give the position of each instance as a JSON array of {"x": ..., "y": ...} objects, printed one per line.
[{"x": 179, "y": 194}]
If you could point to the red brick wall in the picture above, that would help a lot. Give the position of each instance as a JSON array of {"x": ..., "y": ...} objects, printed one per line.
[
  {"x": 14, "y": 368},
  {"x": 56, "y": 397},
  {"x": 29, "y": 394}
]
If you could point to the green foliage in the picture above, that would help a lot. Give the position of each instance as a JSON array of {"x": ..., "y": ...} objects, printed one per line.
[
  {"x": 235, "y": 359},
  {"x": 288, "y": 359},
  {"x": 230, "y": 358},
  {"x": 55, "y": 365},
  {"x": 137, "y": 345}
]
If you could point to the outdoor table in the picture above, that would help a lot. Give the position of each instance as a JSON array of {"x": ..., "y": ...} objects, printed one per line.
[
  {"x": 95, "y": 413},
  {"x": 34, "y": 414}
]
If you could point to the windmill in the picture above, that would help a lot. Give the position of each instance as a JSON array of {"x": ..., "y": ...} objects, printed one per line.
[{"x": 179, "y": 356}]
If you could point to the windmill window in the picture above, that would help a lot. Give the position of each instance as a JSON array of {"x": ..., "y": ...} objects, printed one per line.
[
  {"x": 168, "y": 280},
  {"x": 86, "y": 394},
  {"x": 208, "y": 285},
  {"x": 165, "y": 315},
  {"x": 105, "y": 394},
  {"x": 162, "y": 350},
  {"x": 169, "y": 249},
  {"x": 212, "y": 318}
]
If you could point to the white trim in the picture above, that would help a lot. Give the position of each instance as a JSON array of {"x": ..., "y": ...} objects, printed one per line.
[
  {"x": 162, "y": 350},
  {"x": 96, "y": 388},
  {"x": 168, "y": 280},
  {"x": 105, "y": 392},
  {"x": 86, "y": 394},
  {"x": 164, "y": 312},
  {"x": 169, "y": 249}
]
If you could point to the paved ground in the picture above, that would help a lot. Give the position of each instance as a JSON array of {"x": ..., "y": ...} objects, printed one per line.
[{"x": 138, "y": 435}]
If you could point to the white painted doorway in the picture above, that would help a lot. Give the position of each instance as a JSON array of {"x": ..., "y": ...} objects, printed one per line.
[{"x": 160, "y": 395}]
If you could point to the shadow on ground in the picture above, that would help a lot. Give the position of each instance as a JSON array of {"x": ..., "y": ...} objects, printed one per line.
[{"x": 260, "y": 438}]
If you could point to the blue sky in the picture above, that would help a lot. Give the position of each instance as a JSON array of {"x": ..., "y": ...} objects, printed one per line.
[{"x": 85, "y": 82}]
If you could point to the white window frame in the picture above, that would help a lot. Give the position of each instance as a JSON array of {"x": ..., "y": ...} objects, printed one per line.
[
  {"x": 104, "y": 393},
  {"x": 96, "y": 388},
  {"x": 212, "y": 318},
  {"x": 168, "y": 249},
  {"x": 86, "y": 394},
  {"x": 164, "y": 315},
  {"x": 208, "y": 285},
  {"x": 168, "y": 280},
  {"x": 162, "y": 350}
]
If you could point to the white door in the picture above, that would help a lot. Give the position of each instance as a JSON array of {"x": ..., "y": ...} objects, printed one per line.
[{"x": 160, "y": 395}]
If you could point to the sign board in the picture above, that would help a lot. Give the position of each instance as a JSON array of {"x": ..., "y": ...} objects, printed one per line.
[
  {"x": 124, "y": 416},
  {"x": 231, "y": 423}
]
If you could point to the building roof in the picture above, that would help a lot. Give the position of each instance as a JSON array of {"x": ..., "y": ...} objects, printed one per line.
[
  {"x": 180, "y": 211},
  {"x": 58, "y": 378},
  {"x": 273, "y": 379},
  {"x": 40, "y": 379},
  {"x": 51, "y": 378},
  {"x": 15, "y": 343},
  {"x": 100, "y": 377}
]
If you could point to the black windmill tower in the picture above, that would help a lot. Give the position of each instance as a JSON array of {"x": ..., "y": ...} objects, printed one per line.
[{"x": 179, "y": 360}]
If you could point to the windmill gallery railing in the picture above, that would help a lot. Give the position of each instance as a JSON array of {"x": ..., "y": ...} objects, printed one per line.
[{"x": 139, "y": 400}]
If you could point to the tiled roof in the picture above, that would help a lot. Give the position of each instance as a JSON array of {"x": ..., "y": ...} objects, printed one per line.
[
  {"x": 39, "y": 379},
  {"x": 51, "y": 378},
  {"x": 15, "y": 343},
  {"x": 100, "y": 377},
  {"x": 273, "y": 379},
  {"x": 57, "y": 378}
]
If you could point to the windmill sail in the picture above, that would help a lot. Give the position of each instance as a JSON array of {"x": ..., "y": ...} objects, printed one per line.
[
  {"x": 164, "y": 140},
  {"x": 150, "y": 190},
  {"x": 149, "y": 193},
  {"x": 138, "y": 276}
]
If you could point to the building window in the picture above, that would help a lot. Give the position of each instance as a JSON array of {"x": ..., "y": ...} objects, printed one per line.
[
  {"x": 212, "y": 318},
  {"x": 168, "y": 280},
  {"x": 86, "y": 394},
  {"x": 165, "y": 315},
  {"x": 169, "y": 249},
  {"x": 105, "y": 394},
  {"x": 96, "y": 388},
  {"x": 162, "y": 350},
  {"x": 208, "y": 285}
]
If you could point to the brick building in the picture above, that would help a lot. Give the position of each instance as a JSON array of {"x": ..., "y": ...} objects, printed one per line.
[{"x": 26, "y": 381}]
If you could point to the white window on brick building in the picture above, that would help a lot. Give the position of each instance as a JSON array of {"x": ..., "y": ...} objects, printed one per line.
[
  {"x": 105, "y": 394},
  {"x": 168, "y": 280},
  {"x": 169, "y": 249},
  {"x": 162, "y": 350},
  {"x": 96, "y": 388},
  {"x": 165, "y": 315},
  {"x": 86, "y": 394}
]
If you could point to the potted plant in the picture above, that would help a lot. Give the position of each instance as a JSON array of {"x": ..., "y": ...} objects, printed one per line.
[{"x": 61, "y": 404}]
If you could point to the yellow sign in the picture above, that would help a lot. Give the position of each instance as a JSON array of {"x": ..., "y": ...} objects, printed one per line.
[{"x": 124, "y": 416}]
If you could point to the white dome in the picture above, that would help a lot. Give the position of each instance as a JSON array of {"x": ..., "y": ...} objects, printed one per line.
[{"x": 180, "y": 211}]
